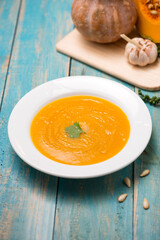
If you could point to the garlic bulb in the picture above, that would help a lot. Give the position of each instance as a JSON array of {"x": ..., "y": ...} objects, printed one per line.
[{"x": 141, "y": 51}]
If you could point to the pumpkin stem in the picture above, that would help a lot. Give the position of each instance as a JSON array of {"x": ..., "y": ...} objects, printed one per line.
[{"x": 130, "y": 40}]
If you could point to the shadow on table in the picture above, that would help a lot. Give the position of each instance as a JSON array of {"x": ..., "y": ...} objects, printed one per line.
[
  {"x": 100, "y": 187},
  {"x": 109, "y": 185}
]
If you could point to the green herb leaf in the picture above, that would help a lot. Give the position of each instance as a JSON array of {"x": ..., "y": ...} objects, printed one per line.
[
  {"x": 152, "y": 101},
  {"x": 74, "y": 130}
]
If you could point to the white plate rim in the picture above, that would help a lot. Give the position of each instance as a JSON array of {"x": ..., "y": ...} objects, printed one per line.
[{"x": 140, "y": 120}]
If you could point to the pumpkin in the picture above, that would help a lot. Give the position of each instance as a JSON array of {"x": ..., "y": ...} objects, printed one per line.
[
  {"x": 103, "y": 20},
  {"x": 148, "y": 23}
]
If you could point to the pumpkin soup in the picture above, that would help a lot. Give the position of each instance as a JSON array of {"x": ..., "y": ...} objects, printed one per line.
[{"x": 80, "y": 130}]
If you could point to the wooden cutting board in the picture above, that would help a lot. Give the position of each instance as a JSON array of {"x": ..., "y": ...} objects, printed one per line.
[{"x": 110, "y": 58}]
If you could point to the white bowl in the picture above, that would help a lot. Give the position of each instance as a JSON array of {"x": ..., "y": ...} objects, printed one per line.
[{"x": 23, "y": 113}]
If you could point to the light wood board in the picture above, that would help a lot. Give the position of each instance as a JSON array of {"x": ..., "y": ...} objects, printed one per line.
[{"x": 110, "y": 58}]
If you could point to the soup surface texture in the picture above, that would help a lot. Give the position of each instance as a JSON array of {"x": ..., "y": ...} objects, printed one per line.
[{"x": 106, "y": 128}]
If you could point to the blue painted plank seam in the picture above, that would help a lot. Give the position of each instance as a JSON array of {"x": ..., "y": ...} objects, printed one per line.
[
  {"x": 134, "y": 177},
  {"x": 69, "y": 74},
  {"x": 12, "y": 46},
  {"x": 69, "y": 70},
  {"x": 55, "y": 208}
]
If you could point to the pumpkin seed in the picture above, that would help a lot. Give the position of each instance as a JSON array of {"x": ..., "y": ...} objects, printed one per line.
[
  {"x": 153, "y": 12},
  {"x": 156, "y": 6},
  {"x": 122, "y": 197},
  {"x": 145, "y": 173},
  {"x": 150, "y": 6},
  {"x": 127, "y": 181},
  {"x": 145, "y": 204},
  {"x": 148, "y": 1}
]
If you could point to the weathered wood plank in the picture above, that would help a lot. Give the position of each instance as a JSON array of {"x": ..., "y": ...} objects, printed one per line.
[
  {"x": 88, "y": 209},
  {"x": 8, "y": 18},
  {"x": 146, "y": 223},
  {"x": 27, "y": 196}
]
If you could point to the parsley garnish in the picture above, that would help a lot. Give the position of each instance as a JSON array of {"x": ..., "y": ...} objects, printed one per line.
[{"x": 74, "y": 130}]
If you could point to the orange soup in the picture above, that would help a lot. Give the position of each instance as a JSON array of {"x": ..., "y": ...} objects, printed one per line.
[{"x": 105, "y": 130}]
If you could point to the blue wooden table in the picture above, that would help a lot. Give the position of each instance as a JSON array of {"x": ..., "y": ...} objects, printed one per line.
[{"x": 33, "y": 205}]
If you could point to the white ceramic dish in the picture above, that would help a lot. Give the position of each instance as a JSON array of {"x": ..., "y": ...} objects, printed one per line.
[{"x": 23, "y": 113}]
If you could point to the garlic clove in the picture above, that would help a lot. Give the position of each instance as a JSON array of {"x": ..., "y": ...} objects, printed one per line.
[
  {"x": 153, "y": 53},
  {"x": 133, "y": 57},
  {"x": 143, "y": 59}
]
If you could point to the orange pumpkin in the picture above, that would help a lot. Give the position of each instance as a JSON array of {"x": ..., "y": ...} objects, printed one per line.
[
  {"x": 103, "y": 20},
  {"x": 149, "y": 19}
]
